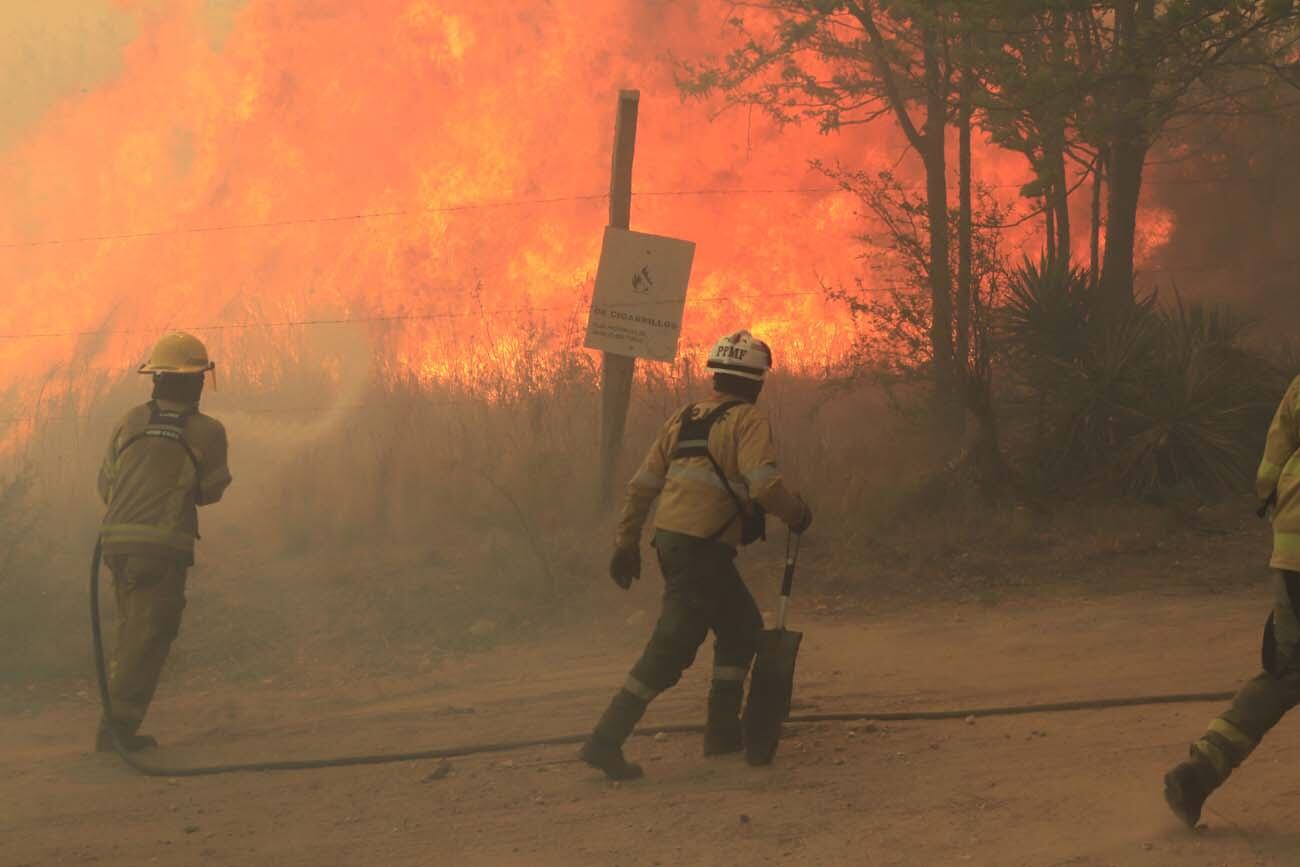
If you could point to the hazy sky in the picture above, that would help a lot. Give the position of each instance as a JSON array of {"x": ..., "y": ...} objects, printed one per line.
[{"x": 52, "y": 49}]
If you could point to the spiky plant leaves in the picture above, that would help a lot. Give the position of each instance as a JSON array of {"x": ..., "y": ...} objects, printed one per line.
[{"x": 1150, "y": 401}]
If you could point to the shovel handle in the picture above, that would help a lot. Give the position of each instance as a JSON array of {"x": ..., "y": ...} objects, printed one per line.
[{"x": 787, "y": 580}]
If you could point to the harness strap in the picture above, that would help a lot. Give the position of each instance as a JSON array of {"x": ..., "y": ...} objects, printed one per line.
[
  {"x": 169, "y": 425},
  {"x": 693, "y": 442}
]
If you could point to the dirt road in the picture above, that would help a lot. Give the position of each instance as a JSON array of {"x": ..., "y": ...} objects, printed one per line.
[{"x": 1067, "y": 789}]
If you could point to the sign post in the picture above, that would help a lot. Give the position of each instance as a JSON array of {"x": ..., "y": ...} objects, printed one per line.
[
  {"x": 638, "y": 300},
  {"x": 617, "y": 370}
]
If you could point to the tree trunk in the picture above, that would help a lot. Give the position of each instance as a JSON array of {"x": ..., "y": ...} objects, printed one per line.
[
  {"x": 1127, "y": 150},
  {"x": 1127, "y": 158},
  {"x": 965, "y": 242},
  {"x": 1094, "y": 240},
  {"x": 1052, "y": 123},
  {"x": 1059, "y": 195},
  {"x": 936, "y": 117},
  {"x": 1049, "y": 227}
]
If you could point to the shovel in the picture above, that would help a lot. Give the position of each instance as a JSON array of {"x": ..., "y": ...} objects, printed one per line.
[{"x": 772, "y": 682}]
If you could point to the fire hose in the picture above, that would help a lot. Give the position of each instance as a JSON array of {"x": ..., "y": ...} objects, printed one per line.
[{"x": 150, "y": 770}]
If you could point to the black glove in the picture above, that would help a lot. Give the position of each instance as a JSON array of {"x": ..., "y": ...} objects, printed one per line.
[
  {"x": 801, "y": 526},
  {"x": 1262, "y": 511},
  {"x": 625, "y": 566}
]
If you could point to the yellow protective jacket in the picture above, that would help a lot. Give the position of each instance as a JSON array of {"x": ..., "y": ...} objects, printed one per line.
[
  {"x": 1279, "y": 472},
  {"x": 692, "y": 500},
  {"x": 164, "y": 460}
]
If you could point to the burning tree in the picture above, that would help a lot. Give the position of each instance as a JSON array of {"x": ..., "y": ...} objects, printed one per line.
[
  {"x": 847, "y": 64},
  {"x": 1075, "y": 82},
  {"x": 1099, "y": 83}
]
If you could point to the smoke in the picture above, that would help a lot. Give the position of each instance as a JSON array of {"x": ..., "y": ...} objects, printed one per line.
[
  {"x": 51, "y": 52},
  {"x": 1232, "y": 187}
]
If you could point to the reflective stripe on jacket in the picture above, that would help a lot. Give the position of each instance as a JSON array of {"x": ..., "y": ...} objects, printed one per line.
[
  {"x": 152, "y": 487},
  {"x": 1279, "y": 471}
]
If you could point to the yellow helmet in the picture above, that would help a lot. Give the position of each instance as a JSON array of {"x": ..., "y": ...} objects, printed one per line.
[{"x": 178, "y": 352}]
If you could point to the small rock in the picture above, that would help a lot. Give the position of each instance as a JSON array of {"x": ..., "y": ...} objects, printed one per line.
[
  {"x": 744, "y": 818},
  {"x": 508, "y": 764},
  {"x": 661, "y": 736},
  {"x": 839, "y": 760},
  {"x": 438, "y": 773},
  {"x": 1148, "y": 845},
  {"x": 970, "y": 720},
  {"x": 870, "y": 727},
  {"x": 191, "y": 829},
  {"x": 482, "y": 628}
]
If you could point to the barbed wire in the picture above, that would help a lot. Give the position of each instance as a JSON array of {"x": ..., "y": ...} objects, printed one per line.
[
  {"x": 519, "y": 203},
  {"x": 396, "y": 317}
]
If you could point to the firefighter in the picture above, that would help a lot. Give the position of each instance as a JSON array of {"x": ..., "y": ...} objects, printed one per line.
[
  {"x": 1264, "y": 700},
  {"x": 713, "y": 470},
  {"x": 164, "y": 459}
]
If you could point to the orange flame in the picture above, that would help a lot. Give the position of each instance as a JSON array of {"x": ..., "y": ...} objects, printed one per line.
[{"x": 375, "y": 146}]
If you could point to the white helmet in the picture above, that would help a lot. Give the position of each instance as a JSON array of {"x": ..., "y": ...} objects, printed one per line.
[{"x": 743, "y": 355}]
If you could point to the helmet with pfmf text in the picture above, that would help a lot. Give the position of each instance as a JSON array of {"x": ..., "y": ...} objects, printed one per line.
[{"x": 742, "y": 355}]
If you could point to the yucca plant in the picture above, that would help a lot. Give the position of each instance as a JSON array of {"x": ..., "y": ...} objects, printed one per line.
[
  {"x": 1200, "y": 416},
  {"x": 1146, "y": 401}
]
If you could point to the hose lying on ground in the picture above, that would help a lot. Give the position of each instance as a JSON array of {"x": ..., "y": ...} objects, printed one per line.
[{"x": 101, "y": 675}]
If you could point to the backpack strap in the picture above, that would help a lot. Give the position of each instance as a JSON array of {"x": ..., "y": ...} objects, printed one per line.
[
  {"x": 693, "y": 442},
  {"x": 169, "y": 424}
]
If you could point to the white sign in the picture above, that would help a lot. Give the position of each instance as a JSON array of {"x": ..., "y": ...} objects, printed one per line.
[{"x": 640, "y": 295}]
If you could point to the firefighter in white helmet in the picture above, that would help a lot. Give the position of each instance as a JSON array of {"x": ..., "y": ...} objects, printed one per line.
[
  {"x": 713, "y": 471},
  {"x": 164, "y": 459}
]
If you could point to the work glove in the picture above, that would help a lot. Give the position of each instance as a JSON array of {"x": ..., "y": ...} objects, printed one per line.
[
  {"x": 1262, "y": 511},
  {"x": 801, "y": 526},
  {"x": 625, "y": 566}
]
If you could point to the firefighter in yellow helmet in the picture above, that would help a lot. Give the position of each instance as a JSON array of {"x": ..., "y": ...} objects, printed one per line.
[
  {"x": 713, "y": 471},
  {"x": 164, "y": 459},
  {"x": 1265, "y": 699}
]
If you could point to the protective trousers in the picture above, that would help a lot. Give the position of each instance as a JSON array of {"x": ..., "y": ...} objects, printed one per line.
[
  {"x": 702, "y": 592},
  {"x": 150, "y": 594},
  {"x": 1266, "y": 698}
]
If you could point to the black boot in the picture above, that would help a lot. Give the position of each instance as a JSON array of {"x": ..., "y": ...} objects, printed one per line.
[
  {"x": 722, "y": 732},
  {"x": 131, "y": 742},
  {"x": 605, "y": 756},
  {"x": 604, "y": 748},
  {"x": 1187, "y": 786}
]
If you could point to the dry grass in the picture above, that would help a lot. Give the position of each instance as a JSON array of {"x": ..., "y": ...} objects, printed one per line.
[{"x": 383, "y": 525}]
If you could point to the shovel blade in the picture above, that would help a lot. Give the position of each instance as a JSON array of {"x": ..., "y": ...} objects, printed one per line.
[{"x": 771, "y": 687}]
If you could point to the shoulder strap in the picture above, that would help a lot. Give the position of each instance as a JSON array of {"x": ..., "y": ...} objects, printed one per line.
[
  {"x": 169, "y": 425},
  {"x": 693, "y": 435},
  {"x": 693, "y": 442}
]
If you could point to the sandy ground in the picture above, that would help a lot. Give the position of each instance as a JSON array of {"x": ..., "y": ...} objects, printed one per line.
[{"x": 1066, "y": 789}]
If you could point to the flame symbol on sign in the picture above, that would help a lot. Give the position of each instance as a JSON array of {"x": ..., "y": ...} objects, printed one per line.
[{"x": 641, "y": 281}]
